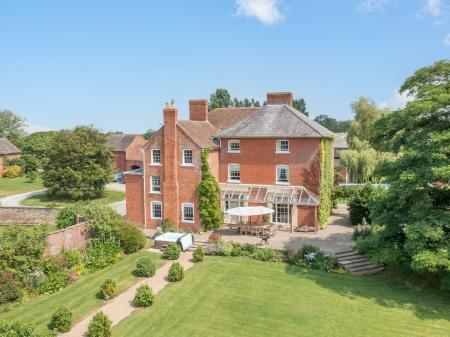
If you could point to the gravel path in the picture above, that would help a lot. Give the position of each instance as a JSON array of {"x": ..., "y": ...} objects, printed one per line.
[{"x": 121, "y": 306}]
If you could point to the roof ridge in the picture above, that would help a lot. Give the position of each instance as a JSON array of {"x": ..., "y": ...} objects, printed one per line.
[{"x": 304, "y": 119}]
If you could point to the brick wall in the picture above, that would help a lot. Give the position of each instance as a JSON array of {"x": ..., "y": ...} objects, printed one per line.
[
  {"x": 27, "y": 215},
  {"x": 134, "y": 196},
  {"x": 73, "y": 237},
  {"x": 133, "y": 151},
  {"x": 120, "y": 161},
  {"x": 258, "y": 162}
]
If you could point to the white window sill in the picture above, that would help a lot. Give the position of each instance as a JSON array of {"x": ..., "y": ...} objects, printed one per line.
[
  {"x": 188, "y": 222},
  {"x": 155, "y": 164},
  {"x": 187, "y": 165},
  {"x": 282, "y": 152},
  {"x": 231, "y": 151},
  {"x": 155, "y": 192},
  {"x": 282, "y": 183},
  {"x": 155, "y": 218},
  {"x": 234, "y": 181}
]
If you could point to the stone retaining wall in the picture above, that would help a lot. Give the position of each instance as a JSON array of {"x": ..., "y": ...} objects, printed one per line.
[
  {"x": 70, "y": 238},
  {"x": 27, "y": 215}
]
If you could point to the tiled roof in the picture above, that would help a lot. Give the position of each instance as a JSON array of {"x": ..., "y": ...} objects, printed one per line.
[
  {"x": 6, "y": 147},
  {"x": 119, "y": 141},
  {"x": 223, "y": 118},
  {"x": 201, "y": 132},
  {"x": 275, "y": 121},
  {"x": 340, "y": 142}
]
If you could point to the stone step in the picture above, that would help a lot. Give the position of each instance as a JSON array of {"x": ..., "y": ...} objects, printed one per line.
[
  {"x": 350, "y": 258},
  {"x": 346, "y": 263},
  {"x": 373, "y": 270},
  {"x": 345, "y": 254},
  {"x": 361, "y": 268},
  {"x": 356, "y": 264}
]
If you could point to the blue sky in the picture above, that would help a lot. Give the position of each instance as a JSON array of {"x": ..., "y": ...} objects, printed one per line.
[{"x": 113, "y": 64}]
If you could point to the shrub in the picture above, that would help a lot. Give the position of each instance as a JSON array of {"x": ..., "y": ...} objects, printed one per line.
[
  {"x": 9, "y": 291},
  {"x": 144, "y": 296},
  {"x": 264, "y": 254},
  {"x": 61, "y": 320},
  {"x": 168, "y": 226},
  {"x": 344, "y": 193},
  {"x": 445, "y": 283},
  {"x": 16, "y": 329},
  {"x": 100, "y": 326},
  {"x": 292, "y": 257},
  {"x": 236, "y": 250},
  {"x": 362, "y": 230},
  {"x": 102, "y": 254},
  {"x": 145, "y": 267},
  {"x": 67, "y": 216},
  {"x": 213, "y": 249},
  {"x": 172, "y": 252},
  {"x": 55, "y": 282},
  {"x": 226, "y": 249},
  {"x": 13, "y": 171},
  {"x": 359, "y": 203},
  {"x": 176, "y": 272},
  {"x": 32, "y": 176},
  {"x": 215, "y": 237},
  {"x": 198, "y": 254},
  {"x": 248, "y": 249},
  {"x": 108, "y": 289},
  {"x": 130, "y": 236},
  {"x": 308, "y": 249}
]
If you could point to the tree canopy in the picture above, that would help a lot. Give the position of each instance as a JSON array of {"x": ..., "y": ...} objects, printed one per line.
[
  {"x": 413, "y": 216},
  {"x": 148, "y": 134},
  {"x": 300, "y": 105},
  {"x": 79, "y": 163},
  {"x": 332, "y": 124},
  {"x": 11, "y": 126}
]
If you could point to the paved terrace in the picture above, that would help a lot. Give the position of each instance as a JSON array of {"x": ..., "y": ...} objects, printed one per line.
[{"x": 336, "y": 237}]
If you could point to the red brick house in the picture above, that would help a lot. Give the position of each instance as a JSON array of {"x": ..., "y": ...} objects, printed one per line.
[
  {"x": 7, "y": 151},
  {"x": 126, "y": 151},
  {"x": 267, "y": 156}
]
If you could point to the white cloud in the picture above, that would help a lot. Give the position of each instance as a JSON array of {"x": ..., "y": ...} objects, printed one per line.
[
  {"x": 446, "y": 40},
  {"x": 369, "y": 6},
  {"x": 397, "y": 101},
  {"x": 266, "y": 11},
  {"x": 433, "y": 7},
  {"x": 30, "y": 128}
]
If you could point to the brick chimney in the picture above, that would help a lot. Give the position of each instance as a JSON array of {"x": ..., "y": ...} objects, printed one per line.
[
  {"x": 198, "y": 109},
  {"x": 280, "y": 98},
  {"x": 170, "y": 184}
]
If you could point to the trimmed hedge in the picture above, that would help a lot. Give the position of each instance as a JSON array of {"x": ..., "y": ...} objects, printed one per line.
[
  {"x": 176, "y": 272},
  {"x": 100, "y": 326},
  {"x": 145, "y": 267},
  {"x": 326, "y": 180},
  {"x": 62, "y": 319},
  {"x": 144, "y": 296},
  {"x": 172, "y": 252}
]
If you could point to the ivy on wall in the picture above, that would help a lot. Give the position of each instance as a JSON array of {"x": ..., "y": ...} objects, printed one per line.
[
  {"x": 208, "y": 193},
  {"x": 326, "y": 180}
]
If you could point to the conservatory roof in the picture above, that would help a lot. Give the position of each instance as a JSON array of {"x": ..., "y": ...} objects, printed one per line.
[{"x": 294, "y": 195}]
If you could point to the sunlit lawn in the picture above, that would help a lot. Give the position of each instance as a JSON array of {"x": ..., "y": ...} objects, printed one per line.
[
  {"x": 10, "y": 186},
  {"x": 63, "y": 199},
  {"x": 243, "y": 297},
  {"x": 80, "y": 297}
]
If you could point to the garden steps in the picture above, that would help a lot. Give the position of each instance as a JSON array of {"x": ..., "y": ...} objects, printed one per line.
[{"x": 356, "y": 264}]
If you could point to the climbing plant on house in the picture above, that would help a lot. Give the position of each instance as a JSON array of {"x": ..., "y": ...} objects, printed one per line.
[
  {"x": 326, "y": 180},
  {"x": 208, "y": 193}
]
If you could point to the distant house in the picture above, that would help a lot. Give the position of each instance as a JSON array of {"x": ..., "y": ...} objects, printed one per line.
[
  {"x": 126, "y": 151},
  {"x": 7, "y": 151},
  {"x": 340, "y": 144}
]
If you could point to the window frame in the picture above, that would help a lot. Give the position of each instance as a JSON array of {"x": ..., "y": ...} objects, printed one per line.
[
  {"x": 229, "y": 173},
  {"x": 152, "y": 162},
  {"x": 187, "y": 204},
  {"x": 155, "y": 202},
  {"x": 278, "y": 148},
  {"x": 183, "y": 158},
  {"x": 151, "y": 185},
  {"x": 234, "y": 141},
  {"x": 279, "y": 167}
]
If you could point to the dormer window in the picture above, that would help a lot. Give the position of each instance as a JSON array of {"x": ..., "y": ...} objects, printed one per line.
[
  {"x": 234, "y": 146},
  {"x": 282, "y": 146}
]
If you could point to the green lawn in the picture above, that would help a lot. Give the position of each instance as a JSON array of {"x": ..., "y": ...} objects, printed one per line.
[
  {"x": 63, "y": 199},
  {"x": 243, "y": 297},
  {"x": 80, "y": 296},
  {"x": 10, "y": 186}
]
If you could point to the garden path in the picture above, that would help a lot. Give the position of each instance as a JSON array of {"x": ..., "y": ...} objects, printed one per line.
[{"x": 122, "y": 306}]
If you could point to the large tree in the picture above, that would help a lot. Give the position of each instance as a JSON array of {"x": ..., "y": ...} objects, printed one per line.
[
  {"x": 221, "y": 98},
  {"x": 11, "y": 126},
  {"x": 79, "y": 163},
  {"x": 413, "y": 216},
  {"x": 300, "y": 105},
  {"x": 148, "y": 134},
  {"x": 37, "y": 146}
]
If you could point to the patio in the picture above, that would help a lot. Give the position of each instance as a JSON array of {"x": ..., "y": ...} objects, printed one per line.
[{"x": 336, "y": 237}]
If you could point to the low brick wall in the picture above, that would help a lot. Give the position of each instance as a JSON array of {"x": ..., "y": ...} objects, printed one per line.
[
  {"x": 32, "y": 215},
  {"x": 70, "y": 238}
]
